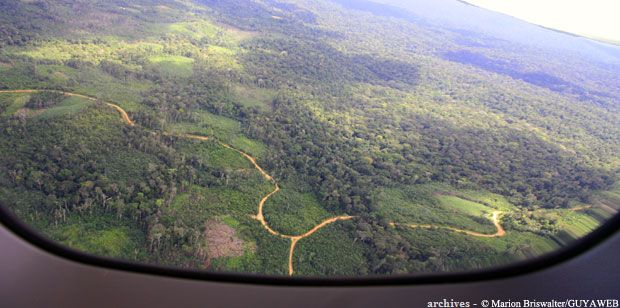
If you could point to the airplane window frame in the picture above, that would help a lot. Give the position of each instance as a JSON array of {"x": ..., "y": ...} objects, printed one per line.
[{"x": 578, "y": 247}]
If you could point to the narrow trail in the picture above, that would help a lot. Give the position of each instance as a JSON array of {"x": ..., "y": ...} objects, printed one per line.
[
  {"x": 495, "y": 218},
  {"x": 120, "y": 110},
  {"x": 259, "y": 215}
]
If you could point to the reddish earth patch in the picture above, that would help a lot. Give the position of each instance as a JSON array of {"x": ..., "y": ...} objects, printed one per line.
[{"x": 222, "y": 241}]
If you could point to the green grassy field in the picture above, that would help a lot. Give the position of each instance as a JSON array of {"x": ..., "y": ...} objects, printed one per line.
[
  {"x": 173, "y": 65},
  {"x": 450, "y": 251},
  {"x": 254, "y": 97},
  {"x": 102, "y": 235},
  {"x": 225, "y": 129},
  {"x": 11, "y": 102},
  {"x": 570, "y": 225},
  {"x": 425, "y": 205},
  {"x": 71, "y": 105},
  {"x": 215, "y": 155}
]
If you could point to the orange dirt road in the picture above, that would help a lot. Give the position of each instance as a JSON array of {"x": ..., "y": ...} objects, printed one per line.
[
  {"x": 120, "y": 110},
  {"x": 495, "y": 218},
  {"x": 259, "y": 216}
]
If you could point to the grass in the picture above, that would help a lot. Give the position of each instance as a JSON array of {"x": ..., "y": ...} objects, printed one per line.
[
  {"x": 93, "y": 82},
  {"x": 448, "y": 251},
  {"x": 216, "y": 156},
  {"x": 489, "y": 199},
  {"x": 11, "y": 102},
  {"x": 464, "y": 206},
  {"x": 236, "y": 263},
  {"x": 470, "y": 210},
  {"x": 251, "y": 146},
  {"x": 292, "y": 212},
  {"x": 222, "y": 58},
  {"x": 210, "y": 125},
  {"x": 577, "y": 224},
  {"x": 570, "y": 225},
  {"x": 86, "y": 80},
  {"x": 195, "y": 30},
  {"x": 102, "y": 235},
  {"x": 423, "y": 205},
  {"x": 225, "y": 129},
  {"x": 200, "y": 204},
  {"x": 254, "y": 97},
  {"x": 70, "y": 105},
  {"x": 173, "y": 65},
  {"x": 522, "y": 245}
]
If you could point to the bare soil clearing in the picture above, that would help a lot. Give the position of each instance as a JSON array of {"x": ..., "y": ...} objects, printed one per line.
[{"x": 222, "y": 240}]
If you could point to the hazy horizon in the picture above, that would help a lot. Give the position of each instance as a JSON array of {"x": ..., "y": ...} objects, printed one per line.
[{"x": 592, "y": 19}]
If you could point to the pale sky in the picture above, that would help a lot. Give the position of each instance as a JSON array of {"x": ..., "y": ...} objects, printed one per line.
[{"x": 593, "y": 18}]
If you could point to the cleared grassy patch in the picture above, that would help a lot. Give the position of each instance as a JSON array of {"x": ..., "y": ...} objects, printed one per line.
[
  {"x": 450, "y": 251},
  {"x": 216, "y": 156},
  {"x": 464, "y": 206},
  {"x": 570, "y": 224},
  {"x": 93, "y": 82},
  {"x": 11, "y": 102},
  {"x": 210, "y": 125},
  {"x": 225, "y": 129},
  {"x": 102, "y": 235},
  {"x": 196, "y": 30},
  {"x": 254, "y": 97},
  {"x": 70, "y": 105},
  {"x": 173, "y": 65},
  {"x": 488, "y": 199},
  {"x": 522, "y": 245},
  {"x": 422, "y": 205},
  {"x": 221, "y": 57}
]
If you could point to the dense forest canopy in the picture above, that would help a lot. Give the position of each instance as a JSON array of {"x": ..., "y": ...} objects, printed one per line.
[{"x": 367, "y": 137}]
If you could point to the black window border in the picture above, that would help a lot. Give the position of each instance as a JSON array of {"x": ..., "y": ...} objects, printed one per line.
[{"x": 9, "y": 220}]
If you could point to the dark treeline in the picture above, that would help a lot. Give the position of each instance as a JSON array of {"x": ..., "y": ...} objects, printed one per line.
[
  {"x": 113, "y": 169},
  {"x": 44, "y": 99}
]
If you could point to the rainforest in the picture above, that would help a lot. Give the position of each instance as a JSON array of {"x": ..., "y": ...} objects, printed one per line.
[{"x": 321, "y": 138}]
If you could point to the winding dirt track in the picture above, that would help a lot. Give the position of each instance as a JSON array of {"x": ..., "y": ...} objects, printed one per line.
[
  {"x": 495, "y": 218},
  {"x": 259, "y": 215},
  {"x": 120, "y": 110}
]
